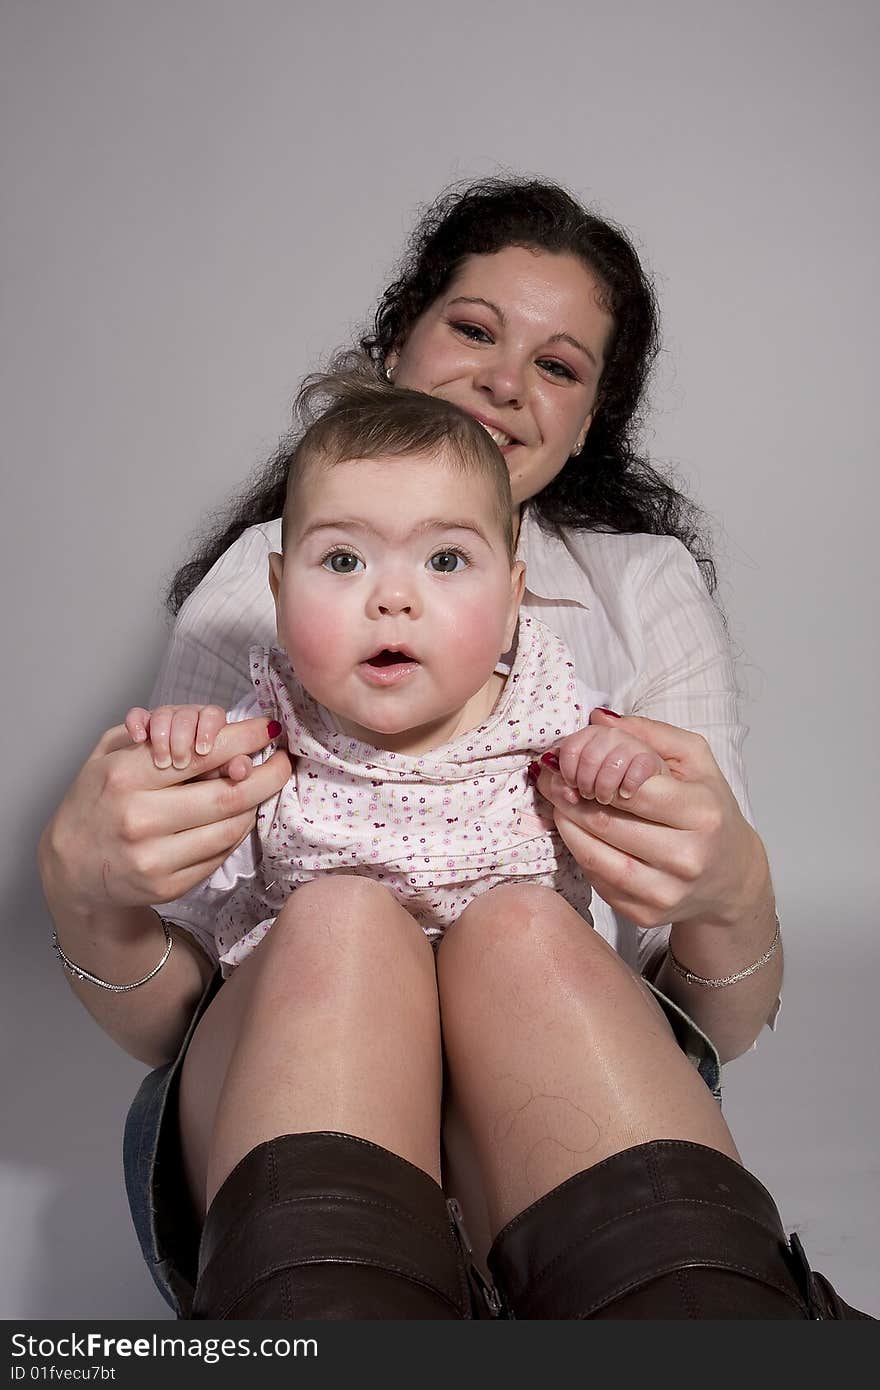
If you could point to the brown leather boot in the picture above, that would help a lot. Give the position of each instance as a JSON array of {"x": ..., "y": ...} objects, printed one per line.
[
  {"x": 326, "y": 1225},
  {"x": 668, "y": 1229}
]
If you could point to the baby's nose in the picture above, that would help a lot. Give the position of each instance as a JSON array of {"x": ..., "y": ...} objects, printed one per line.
[
  {"x": 394, "y": 594},
  {"x": 392, "y": 607}
]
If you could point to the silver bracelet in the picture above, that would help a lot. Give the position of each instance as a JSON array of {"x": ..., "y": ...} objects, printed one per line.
[
  {"x": 693, "y": 979},
  {"x": 82, "y": 974}
]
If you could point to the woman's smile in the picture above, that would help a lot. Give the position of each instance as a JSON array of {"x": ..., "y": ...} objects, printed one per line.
[{"x": 518, "y": 342}]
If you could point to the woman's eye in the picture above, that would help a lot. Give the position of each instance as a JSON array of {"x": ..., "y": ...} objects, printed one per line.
[
  {"x": 473, "y": 331},
  {"x": 447, "y": 561},
  {"x": 341, "y": 562},
  {"x": 557, "y": 368}
]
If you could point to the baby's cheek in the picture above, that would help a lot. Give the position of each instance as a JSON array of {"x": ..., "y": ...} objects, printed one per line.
[
  {"x": 314, "y": 640},
  {"x": 475, "y": 639}
]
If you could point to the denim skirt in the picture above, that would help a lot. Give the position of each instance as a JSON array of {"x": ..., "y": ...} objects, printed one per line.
[{"x": 167, "y": 1227}]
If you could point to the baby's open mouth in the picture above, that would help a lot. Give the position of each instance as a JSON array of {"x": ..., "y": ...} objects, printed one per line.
[{"x": 389, "y": 658}]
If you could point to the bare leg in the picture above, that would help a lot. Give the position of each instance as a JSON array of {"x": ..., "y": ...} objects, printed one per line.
[
  {"x": 331, "y": 1024},
  {"x": 558, "y": 1055}
]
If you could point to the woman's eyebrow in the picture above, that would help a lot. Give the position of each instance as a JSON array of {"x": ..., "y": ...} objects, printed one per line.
[
  {"x": 555, "y": 338},
  {"x": 576, "y": 343},
  {"x": 476, "y": 299}
]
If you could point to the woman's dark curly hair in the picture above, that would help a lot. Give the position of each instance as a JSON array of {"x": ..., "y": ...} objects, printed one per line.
[{"x": 608, "y": 486}]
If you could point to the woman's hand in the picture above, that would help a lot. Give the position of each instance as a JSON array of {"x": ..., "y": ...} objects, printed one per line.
[
  {"x": 129, "y": 834},
  {"x": 679, "y": 849},
  {"x": 177, "y": 732},
  {"x": 599, "y": 764}
]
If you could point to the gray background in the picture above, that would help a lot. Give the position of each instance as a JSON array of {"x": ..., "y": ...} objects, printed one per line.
[{"x": 200, "y": 200}]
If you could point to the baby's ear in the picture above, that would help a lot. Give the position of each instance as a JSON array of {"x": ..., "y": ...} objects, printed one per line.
[
  {"x": 517, "y": 586},
  {"x": 276, "y": 565}
]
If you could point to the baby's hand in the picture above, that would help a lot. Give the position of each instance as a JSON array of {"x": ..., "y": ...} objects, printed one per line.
[
  {"x": 177, "y": 731},
  {"x": 599, "y": 763}
]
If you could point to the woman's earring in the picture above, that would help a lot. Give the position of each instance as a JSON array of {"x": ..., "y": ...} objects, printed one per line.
[{"x": 389, "y": 373}]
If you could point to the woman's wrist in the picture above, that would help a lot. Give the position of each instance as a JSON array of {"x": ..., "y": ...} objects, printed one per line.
[
  {"x": 749, "y": 896},
  {"x": 117, "y": 944},
  {"x": 713, "y": 946},
  {"x": 79, "y": 971}
]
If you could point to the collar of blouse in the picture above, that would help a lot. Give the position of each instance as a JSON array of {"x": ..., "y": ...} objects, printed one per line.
[{"x": 552, "y": 571}]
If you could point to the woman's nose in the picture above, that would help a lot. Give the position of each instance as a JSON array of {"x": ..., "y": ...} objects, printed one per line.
[{"x": 503, "y": 379}]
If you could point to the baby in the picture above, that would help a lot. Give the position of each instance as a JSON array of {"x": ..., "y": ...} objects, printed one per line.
[{"x": 413, "y": 696}]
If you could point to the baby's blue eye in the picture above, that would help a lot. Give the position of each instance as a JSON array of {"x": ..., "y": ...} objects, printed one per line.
[
  {"x": 341, "y": 562},
  {"x": 447, "y": 561}
]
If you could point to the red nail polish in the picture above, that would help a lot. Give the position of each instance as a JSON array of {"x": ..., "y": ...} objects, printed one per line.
[
  {"x": 613, "y": 712},
  {"x": 274, "y": 728},
  {"x": 550, "y": 760},
  {"x": 534, "y": 772}
]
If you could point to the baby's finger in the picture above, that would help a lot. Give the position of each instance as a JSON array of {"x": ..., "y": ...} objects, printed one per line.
[
  {"x": 610, "y": 776},
  {"x": 137, "y": 722},
  {"x": 211, "y": 720},
  {"x": 238, "y": 768},
  {"x": 183, "y": 735},
  {"x": 567, "y": 755},
  {"x": 642, "y": 766},
  {"x": 160, "y": 735},
  {"x": 592, "y": 760}
]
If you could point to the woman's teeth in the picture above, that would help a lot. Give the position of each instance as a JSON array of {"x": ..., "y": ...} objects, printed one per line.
[{"x": 500, "y": 438}]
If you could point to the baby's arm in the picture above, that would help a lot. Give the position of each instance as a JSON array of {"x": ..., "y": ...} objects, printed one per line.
[
  {"x": 600, "y": 763},
  {"x": 176, "y": 732}
]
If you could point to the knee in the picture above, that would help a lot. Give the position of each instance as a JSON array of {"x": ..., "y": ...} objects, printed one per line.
[
  {"x": 335, "y": 895},
  {"x": 344, "y": 915},
  {"x": 523, "y": 937},
  {"x": 524, "y": 953},
  {"x": 524, "y": 926}
]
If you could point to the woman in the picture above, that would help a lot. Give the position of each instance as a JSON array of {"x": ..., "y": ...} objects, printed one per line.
[{"x": 308, "y": 1119}]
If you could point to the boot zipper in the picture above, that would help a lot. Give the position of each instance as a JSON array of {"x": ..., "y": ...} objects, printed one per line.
[{"x": 491, "y": 1296}]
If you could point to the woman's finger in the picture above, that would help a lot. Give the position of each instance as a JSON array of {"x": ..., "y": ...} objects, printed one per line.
[
  {"x": 669, "y": 849},
  {"x": 642, "y": 892},
  {"x": 675, "y": 853},
  {"x": 197, "y": 803},
  {"x": 245, "y": 737},
  {"x": 111, "y": 741},
  {"x": 664, "y": 801},
  {"x": 168, "y": 867},
  {"x": 181, "y": 882},
  {"x": 133, "y": 769}
]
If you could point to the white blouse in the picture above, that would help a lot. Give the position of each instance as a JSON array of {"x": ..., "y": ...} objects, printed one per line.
[{"x": 633, "y": 609}]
